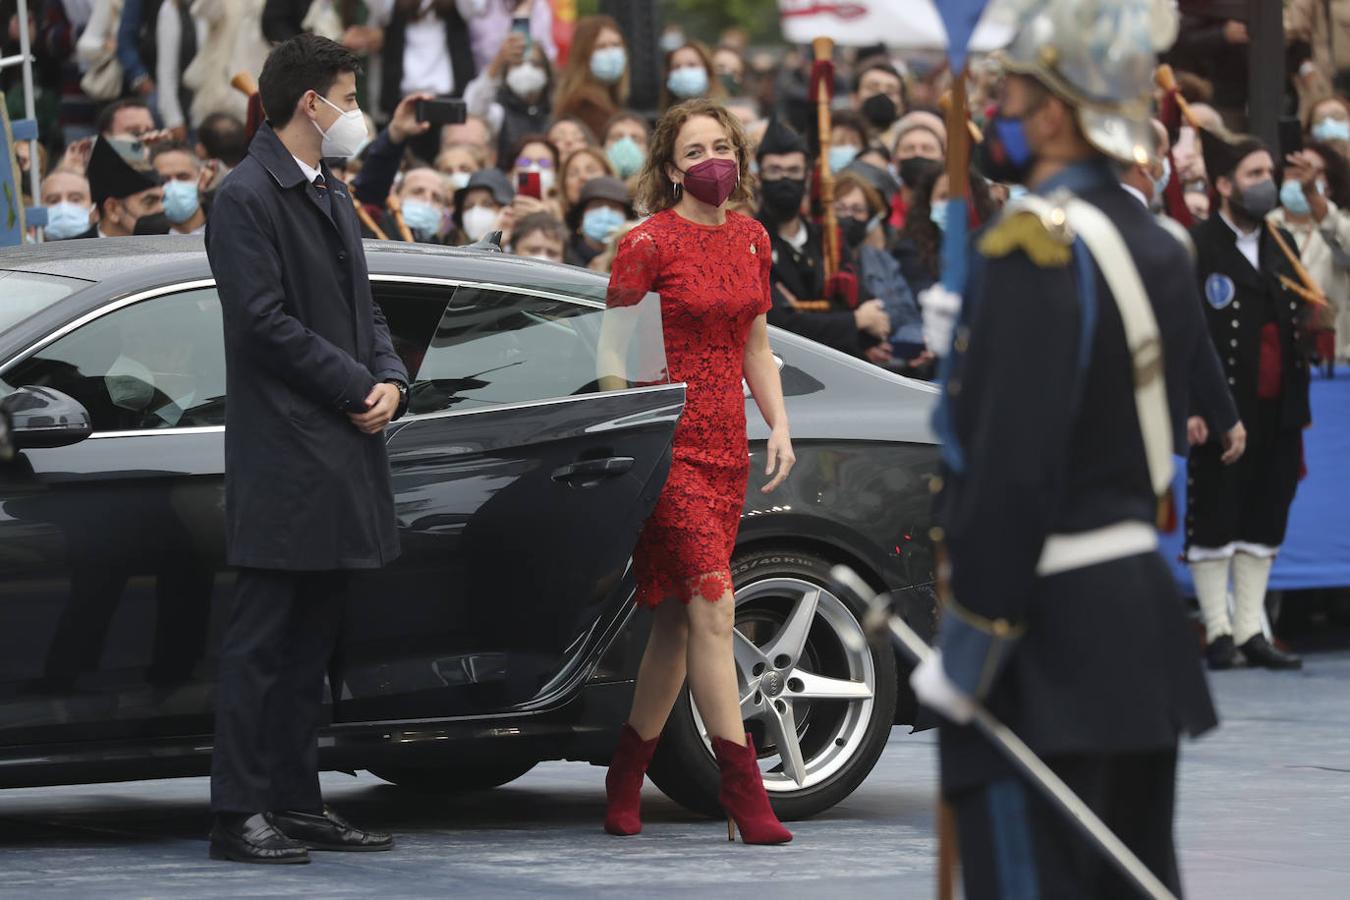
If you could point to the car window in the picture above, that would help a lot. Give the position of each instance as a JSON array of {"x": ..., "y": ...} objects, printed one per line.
[
  {"x": 27, "y": 293},
  {"x": 493, "y": 347},
  {"x": 412, "y": 312},
  {"x": 156, "y": 364}
]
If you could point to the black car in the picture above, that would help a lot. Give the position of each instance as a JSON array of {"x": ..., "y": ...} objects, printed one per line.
[{"x": 506, "y": 633}]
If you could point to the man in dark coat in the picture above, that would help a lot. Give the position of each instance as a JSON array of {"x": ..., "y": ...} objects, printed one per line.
[
  {"x": 313, "y": 379},
  {"x": 1236, "y": 514},
  {"x": 1064, "y": 619},
  {"x": 798, "y": 272}
]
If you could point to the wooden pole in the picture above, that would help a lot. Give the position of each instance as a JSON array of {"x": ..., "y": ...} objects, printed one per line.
[
  {"x": 396, "y": 208},
  {"x": 366, "y": 220},
  {"x": 823, "y": 48}
]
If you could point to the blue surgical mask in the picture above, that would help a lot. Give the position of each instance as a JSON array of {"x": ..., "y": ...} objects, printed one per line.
[
  {"x": 938, "y": 213},
  {"x": 1293, "y": 199},
  {"x": 600, "y": 223},
  {"x": 180, "y": 201},
  {"x": 690, "y": 81},
  {"x": 626, "y": 156},
  {"x": 1160, "y": 183},
  {"x": 1331, "y": 130},
  {"x": 609, "y": 64},
  {"x": 422, "y": 218},
  {"x": 841, "y": 155},
  {"x": 66, "y": 220}
]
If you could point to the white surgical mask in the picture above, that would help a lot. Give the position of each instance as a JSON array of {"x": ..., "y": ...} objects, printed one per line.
[
  {"x": 478, "y": 221},
  {"x": 345, "y": 137},
  {"x": 459, "y": 180},
  {"x": 526, "y": 80}
]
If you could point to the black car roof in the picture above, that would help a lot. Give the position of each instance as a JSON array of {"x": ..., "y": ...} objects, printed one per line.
[{"x": 134, "y": 263}]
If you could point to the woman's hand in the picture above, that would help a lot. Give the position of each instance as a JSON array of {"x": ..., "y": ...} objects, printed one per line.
[{"x": 780, "y": 456}]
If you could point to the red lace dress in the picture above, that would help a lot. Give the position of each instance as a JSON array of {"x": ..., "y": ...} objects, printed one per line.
[{"x": 713, "y": 281}]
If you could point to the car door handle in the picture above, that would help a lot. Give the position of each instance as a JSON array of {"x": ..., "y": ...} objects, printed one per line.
[{"x": 593, "y": 470}]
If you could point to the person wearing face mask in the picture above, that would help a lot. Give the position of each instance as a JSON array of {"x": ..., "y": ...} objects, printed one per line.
[
  {"x": 539, "y": 236},
  {"x": 918, "y": 246},
  {"x": 798, "y": 271},
  {"x": 458, "y": 161},
  {"x": 859, "y": 209},
  {"x": 129, "y": 199},
  {"x": 1329, "y": 123},
  {"x": 1309, "y": 209},
  {"x": 513, "y": 94},
  {"x": 602, "y": 208},
  {"x": 626, "y": 139},
  {"x": 182, "y": 173},
  {"x": 423, "y": 196},
  {"x": 1063, "y": 620},
  {"x": 848, "y": 136},
  {"x": 689, "y": 74},
  {"x": 313, "y": 380},
  {"x": 70, "y": 206},
  {"x": 479, "y": 205},
  {"x": 594, "y": 83},
  {"x": 1236, "y": 514},
  {"x": 711, "y": 268},
  {"x": 879, "y": 95}
]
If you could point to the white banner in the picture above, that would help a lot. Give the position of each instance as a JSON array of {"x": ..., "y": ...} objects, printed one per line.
[{"x": 900, "y": 24}]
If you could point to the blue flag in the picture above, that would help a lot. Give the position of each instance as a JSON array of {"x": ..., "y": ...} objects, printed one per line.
[{"x": 959, "y": 17}]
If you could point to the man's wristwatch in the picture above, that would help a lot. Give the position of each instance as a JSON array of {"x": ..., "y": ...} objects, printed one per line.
[{"x": 402, "y": 396}]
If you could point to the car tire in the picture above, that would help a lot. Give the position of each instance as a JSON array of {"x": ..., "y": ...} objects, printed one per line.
[
  {"x": 455, "y": 778},
  {"x": 683, "y": 766}
]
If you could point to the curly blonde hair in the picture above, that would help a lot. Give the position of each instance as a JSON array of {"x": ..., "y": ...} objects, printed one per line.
[{"x": 655, "y": 191}]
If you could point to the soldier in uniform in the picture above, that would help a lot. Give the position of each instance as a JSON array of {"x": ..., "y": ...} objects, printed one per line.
[
  {"x": 1236, "y": 514},
  {"x": 798, "y": 261},
  {"x": 1063, "y": 618}
]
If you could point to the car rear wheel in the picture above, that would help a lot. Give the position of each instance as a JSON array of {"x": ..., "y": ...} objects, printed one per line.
[
  {"x": 817, "y": 697},
  {"x": 455, "y": 778}
]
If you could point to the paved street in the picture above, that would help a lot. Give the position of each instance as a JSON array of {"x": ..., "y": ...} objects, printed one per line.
[{"x": 1265, "y": 812}]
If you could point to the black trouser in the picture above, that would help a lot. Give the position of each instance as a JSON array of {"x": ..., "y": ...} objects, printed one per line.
[
  {"x": 1015, "y": 845},
  {"x": 269, "y": 693}
]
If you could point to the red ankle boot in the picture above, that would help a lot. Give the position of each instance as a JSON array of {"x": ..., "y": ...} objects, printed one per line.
[
  {"x": 623, "y": 781},
  {"x": 743, "y": 797}
]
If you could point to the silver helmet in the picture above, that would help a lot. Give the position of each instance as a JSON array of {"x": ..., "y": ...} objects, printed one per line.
[{"x": 1097, "y": 55}]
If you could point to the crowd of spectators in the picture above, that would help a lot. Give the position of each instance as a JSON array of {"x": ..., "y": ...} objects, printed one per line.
[{"x": 553, "y": 143}]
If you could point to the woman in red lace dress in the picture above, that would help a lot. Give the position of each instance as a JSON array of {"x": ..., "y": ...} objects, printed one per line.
[{"x": 711, "y": 269}]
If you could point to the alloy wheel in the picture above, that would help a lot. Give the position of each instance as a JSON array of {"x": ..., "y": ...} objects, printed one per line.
[{"x": 806, "y": 679}]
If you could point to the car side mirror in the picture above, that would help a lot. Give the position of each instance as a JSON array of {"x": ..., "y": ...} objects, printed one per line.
[{"x": 40, "y": 417}]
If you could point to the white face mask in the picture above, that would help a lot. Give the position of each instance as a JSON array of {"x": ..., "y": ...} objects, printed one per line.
[
  {"x": 459, "y": 180},
  {"x": 526, "y": 80},
  {"x": 345, "y": 137},
  {"x": 478, "y": 221}
]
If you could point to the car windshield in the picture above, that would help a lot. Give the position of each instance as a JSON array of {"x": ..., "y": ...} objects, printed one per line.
[{"x": 27, "y": 293}]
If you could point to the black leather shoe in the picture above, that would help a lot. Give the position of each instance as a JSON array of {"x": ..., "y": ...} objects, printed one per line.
[
  {"x": 1221, "y": 654},
  {"x": 1260, "y": 652},
  {"x": 329, "y": 831},
  {"x": 253, "y": 839}
]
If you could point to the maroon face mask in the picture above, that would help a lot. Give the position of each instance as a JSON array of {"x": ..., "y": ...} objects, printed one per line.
[{"x": 712, "y": 180}]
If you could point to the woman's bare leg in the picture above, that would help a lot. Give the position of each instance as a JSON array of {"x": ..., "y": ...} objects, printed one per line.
[
  {"x": 661, "y": 674},
  {"x": 712, "y": 666}
]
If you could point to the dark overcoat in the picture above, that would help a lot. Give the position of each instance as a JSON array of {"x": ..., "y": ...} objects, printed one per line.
[{"x": 304, "y": 345}]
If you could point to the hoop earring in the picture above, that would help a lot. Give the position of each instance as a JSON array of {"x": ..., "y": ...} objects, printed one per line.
[{"x": 675, "y": 189}]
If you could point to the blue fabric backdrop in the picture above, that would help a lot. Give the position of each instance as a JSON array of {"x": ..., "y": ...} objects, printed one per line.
[{"x": 1316, "y": 551}]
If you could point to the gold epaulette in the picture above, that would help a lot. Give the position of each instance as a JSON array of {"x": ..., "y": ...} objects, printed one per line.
[{"x": 1045, "y": 245}]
